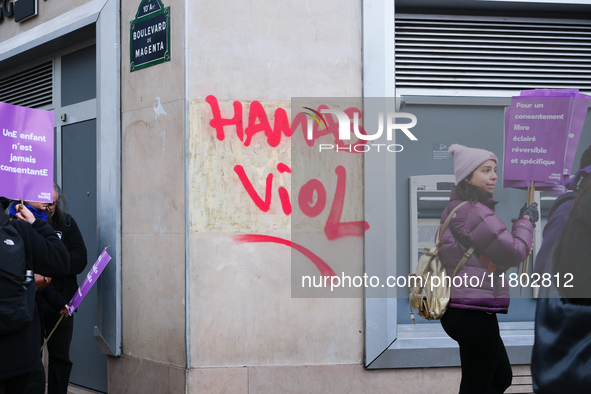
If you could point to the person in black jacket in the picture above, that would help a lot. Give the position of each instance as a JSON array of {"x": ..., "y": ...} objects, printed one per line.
[
  {"x": 5, "y": 202},
  {"x": 562, "y": 347},
  {"x": 48, "y": 256},
  {"x": 64, "y": 225},
  {"x": 560, "y": 210}
]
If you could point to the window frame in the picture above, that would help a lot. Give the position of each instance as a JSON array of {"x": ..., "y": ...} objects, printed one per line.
[{"x": 389, "y": 344}]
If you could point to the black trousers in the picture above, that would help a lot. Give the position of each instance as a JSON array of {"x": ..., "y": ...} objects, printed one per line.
[
  {"x": 485, "y": 364},
  {"x": 14, "y": 385},
  {"x": 36, "y": 383},
  {"x": 58, "y": 346},
  {"x": 60, "y": 366}
]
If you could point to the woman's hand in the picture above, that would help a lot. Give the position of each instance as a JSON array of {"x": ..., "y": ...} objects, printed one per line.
[
  {"x": 23, "y": 213},
  {"x": 65, "y": 312},
  {"x": 530, "y": 213}
]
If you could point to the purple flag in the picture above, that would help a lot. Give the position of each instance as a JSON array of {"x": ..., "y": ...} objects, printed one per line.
[
  {"x": 26, "y": 153},
  {"x": 91, "y": 277}
]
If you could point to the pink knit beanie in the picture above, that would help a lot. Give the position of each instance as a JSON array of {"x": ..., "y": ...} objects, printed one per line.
[{"x": 467, "y": 159}]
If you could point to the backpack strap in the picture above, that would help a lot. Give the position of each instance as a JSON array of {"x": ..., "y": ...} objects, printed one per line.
[
  {"x": 445, "y": 225},
  {"x": 463, "y": 261},
  {"x": 442, "y": 229},
  {"x": 6, "y": 219},
  {"x": 467, "y": 246}
]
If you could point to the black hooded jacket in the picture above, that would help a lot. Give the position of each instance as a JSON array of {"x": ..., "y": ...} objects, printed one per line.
[
  {"x": 67, "y": 229},
  {"x": 47, "y": 255}
]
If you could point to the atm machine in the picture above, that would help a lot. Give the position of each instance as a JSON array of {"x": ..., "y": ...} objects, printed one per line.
[{"x": 429, "y": 195}]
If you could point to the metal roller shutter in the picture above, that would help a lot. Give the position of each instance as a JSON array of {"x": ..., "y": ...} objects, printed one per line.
[{"x": 450, "y": 52}]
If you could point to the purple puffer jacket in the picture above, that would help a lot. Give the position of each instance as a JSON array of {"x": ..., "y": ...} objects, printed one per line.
[{"x": 477, "y": 225}]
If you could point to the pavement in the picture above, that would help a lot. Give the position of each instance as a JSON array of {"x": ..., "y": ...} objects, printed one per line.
[{"x": 78, "y": 390}]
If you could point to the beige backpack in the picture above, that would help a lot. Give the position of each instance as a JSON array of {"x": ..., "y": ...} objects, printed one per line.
[{"x": 430, "y": 287}]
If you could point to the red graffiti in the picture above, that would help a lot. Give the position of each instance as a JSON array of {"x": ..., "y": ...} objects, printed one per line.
[
  {"x": 300, "y": 121},
  {"x": 280, "y": 125},
  {"x": 283, "y": 168},
  {"x": 258, "y": 121},
  {"x": 312, "y": 196},
  {"x": 324, "y": 268},
  {"x": 263, "y": 205},
  {"x": 218, "y": 123},
  {"x": 334, "y": 228},
  {"x": 283, "y": 193},
  {"x": 306, "y": 198}
]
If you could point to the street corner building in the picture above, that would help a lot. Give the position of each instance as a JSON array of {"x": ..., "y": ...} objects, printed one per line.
[{"x": 182, "y": 144}]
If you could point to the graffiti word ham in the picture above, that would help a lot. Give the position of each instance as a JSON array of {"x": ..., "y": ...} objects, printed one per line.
[{"x": 258, "y": 122}]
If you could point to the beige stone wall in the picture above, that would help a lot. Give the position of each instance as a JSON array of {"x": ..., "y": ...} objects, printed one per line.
[
  {"x": 309, "y": 379},
  {"x": 262, "y": 50},
  {"x": 242, "y": 313},
  {"x": 321, "y": 380},
  {"x": 47, "y": 10},
  {"x": 153, "y": 201}
]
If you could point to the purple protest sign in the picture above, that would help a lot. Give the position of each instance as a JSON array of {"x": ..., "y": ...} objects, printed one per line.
[
  {"x": 26, "y": 153},
  {"x": 578, "y": 105},
  {"x": 535, "y": 138},
  {"x": 549, "y": 92},
  {"x": 539, "y": 186},
  {"x": 91, "y": 277},
  {"x": 578, "y": 114}
]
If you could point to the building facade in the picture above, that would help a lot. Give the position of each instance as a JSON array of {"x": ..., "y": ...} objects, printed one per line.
[{"x": 185, "y": 166}]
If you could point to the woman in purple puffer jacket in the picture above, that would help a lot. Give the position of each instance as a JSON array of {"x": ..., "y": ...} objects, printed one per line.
[{"x": 471, "y": 318}]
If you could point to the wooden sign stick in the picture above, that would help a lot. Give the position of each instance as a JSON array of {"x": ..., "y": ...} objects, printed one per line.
[
  {"x": 530, "y": 200},
  {"x": 51, "y": 333}
]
